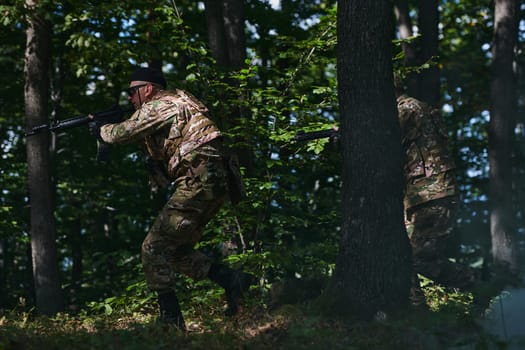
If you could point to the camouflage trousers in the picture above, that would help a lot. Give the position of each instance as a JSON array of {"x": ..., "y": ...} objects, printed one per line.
[
  {"x": 200, "y": 191},
  {"x": 429, "y": 227}
]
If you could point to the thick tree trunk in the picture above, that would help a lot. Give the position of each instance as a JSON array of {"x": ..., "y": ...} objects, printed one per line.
[
  {"x": 373, "y": 267},
  {"x": 43, "y": 245},
  {"x": 502, "y": 122}
]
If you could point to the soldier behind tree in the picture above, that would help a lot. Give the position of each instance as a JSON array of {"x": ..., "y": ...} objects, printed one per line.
[{"x": 431, "y": 194}]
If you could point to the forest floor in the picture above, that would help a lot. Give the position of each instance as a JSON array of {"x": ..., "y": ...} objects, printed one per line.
[{"x": 453, "y": 321}]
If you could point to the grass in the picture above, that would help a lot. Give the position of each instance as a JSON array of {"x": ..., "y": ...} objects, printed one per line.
[{"x": 449, "y": 322}]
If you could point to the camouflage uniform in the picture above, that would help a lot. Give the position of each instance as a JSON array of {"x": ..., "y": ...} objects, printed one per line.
[
  {"x": 179, "y": 136},
  {"x": 431, "y": 193}
]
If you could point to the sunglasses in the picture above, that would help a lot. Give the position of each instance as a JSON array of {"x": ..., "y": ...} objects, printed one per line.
[{"x": 131, "y": 91}]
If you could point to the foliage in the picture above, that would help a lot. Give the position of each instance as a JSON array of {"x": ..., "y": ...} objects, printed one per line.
[
  {"x": 289, "y": 226},
  {"x": 439, "y": 298},
  {"x": 289, "y": 327}
]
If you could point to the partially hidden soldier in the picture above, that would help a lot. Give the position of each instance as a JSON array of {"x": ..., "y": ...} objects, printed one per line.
[
  {"x": 431, "y": 196},
  {"x": 184, "y": 148}
]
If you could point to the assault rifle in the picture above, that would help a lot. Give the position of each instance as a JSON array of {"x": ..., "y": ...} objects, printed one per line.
[
  {"x": 112, "y": 115},
  {"x": 314, "y": 135}
]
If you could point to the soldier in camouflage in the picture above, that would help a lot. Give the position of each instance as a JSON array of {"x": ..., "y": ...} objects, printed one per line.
[
  {"x": 431, "y": 195},
  {"x": 185, "y": 146}
]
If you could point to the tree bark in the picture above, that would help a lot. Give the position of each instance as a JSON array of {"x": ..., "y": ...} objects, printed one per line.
[
  {"x": 373, "y": 268},
  {"x": 234, "y": 30},
  {"x": 227, "y": 41},
  {"x": 216, "y": 32},
  {"x": 429, "y": 86},
  {"x": 225, "y": 24},
  {"x": 404, "y": 23},
  {"x": 152, "y": 38},
  {"x": 77, "y": 268},
  {"x": 42, "y": 230},
  {"x": 502, "y": 122},
  {"x": 3, "y": 273}
]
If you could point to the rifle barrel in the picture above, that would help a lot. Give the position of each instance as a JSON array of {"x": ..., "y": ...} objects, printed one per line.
[
  {"x": 69, "y": 123},
  {"x": 314, "y": 135},
  {"x": 36, "y": 129},
  {"x": 65, "y": 124}
]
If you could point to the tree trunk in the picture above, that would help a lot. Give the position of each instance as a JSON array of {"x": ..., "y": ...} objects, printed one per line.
[
  {"x": 225, "y": 23},
  {"x": 152, "y": 38},
  {"x": 216, "y": 34},
  {"x": 234, "y": 30},
  {"x": 373, "y": 268},
  {"x": 429, "y": 86},
  {"x": 404, "y": 23},
  {"x": 3, "y": 273},
  {"x": 77, "y": 268},
  {"x": 502, "y": 122},
  {"x": 42, "y": 230}
]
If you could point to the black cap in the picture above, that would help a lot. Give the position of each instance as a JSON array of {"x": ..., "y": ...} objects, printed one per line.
[{"x": 150, "y": 75}]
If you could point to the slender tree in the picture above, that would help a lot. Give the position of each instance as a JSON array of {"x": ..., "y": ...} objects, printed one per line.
[
  {"x": 429, "y": 26},
  {"x": 502, "y": 122},
  {"x": 426, "y": 84},
  {"x": 225, "y": 24},
  {"x": 226, "y": 39},
  {"x": 153, "y": 40},
  {"x": 216, "y": 32},
  {"x": 42, "y": 228},
  {"x": 3, "y": 277},
  {"x": 404, "y": 23},
  {"x": 373, "y": 267}
]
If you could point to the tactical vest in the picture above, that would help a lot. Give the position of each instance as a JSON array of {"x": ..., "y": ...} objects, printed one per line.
[{"x": 189, "y": 128}]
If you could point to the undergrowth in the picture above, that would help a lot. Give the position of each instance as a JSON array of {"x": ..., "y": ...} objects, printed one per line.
[{"x": 129, "y": 322}]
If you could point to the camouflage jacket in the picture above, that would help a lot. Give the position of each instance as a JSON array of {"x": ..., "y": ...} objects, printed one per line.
[
  {"x": 172, "y": 124},
  {"x": 429, "y": 167}
]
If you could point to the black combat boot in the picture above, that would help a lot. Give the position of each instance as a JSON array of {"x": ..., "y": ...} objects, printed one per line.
[
  {"x": 170, "y": 312},
  {"x": 234, "y": 282}
]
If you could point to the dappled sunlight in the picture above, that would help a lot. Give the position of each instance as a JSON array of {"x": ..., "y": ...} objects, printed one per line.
[{"x": 288, "y": 327}]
